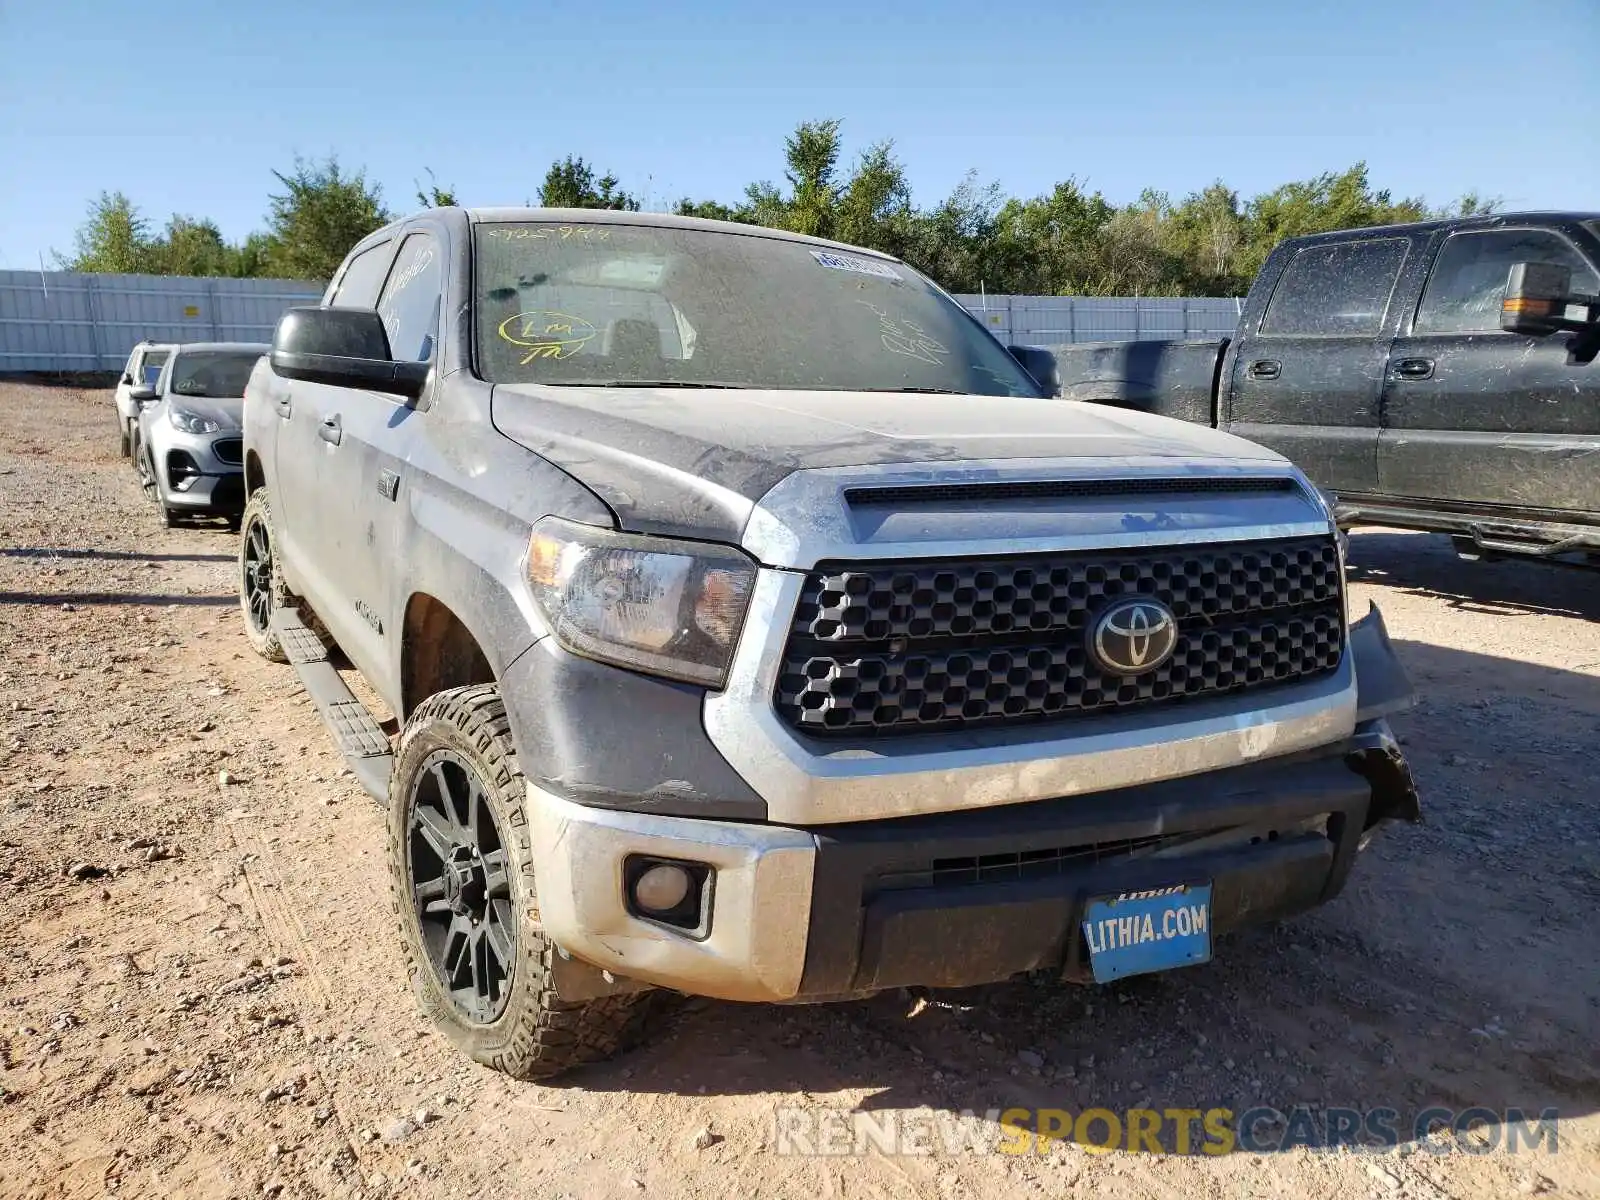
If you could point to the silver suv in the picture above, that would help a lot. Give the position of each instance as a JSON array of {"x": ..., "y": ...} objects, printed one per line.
[{"x": 188, "y": 446}]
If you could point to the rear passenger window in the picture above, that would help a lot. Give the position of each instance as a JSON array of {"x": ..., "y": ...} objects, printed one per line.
[
  {"x": 1337, "y": 290},
  {"x": 358, "y": 286},
  {"x": 1469, "y": 277},
  {"x": 410, "y": 303}
]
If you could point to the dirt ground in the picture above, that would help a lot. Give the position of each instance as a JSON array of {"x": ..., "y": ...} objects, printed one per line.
[{"x": 201, "y": 993}]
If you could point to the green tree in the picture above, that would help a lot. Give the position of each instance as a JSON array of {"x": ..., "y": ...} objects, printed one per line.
[
  {"x": 571, "y": 183},
  {"x": 1330, "y": 201},
  {"x": 954, "y": 243},
  {"x": 193, "y": 247},
  {"x": 248, "y": 260},
  {"x": 114, "y": 238},
  {"x": 812, "y": 152},
  {"x": 319, "y": 215},
  {"x": 708, "y": 209},
  {"x": 434, "y": 196},
  {"x": 874, "y": 206}
]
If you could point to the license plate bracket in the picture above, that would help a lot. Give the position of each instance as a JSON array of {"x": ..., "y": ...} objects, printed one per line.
[{"x": 1138, "y": 932}]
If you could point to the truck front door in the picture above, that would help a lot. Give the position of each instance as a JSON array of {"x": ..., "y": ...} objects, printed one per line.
[
  {"x": 1306, "y": 380},
  {"x": 365, "y": 436},
  {"x": 1472, "y": 414},
  {"x": 303, "y": 461}
]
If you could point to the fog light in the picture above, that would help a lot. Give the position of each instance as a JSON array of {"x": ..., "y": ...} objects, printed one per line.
[{"x": 661, "y": 888}]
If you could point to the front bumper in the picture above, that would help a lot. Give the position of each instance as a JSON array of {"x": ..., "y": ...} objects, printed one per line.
[
  {"x": 209, "y": 484},
  {"x": 956, "y": 899}
]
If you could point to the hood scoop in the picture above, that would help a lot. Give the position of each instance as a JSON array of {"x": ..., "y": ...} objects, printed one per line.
[{"x": 919, "y": 495}]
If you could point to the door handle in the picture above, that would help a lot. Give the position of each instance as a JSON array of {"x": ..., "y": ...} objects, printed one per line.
[
  {"x": 1414, "y": 368},
  {"x": 284, "y": 404},
  {"x": 1265, "y": 368},
  {"x": 330, "y": 429}
]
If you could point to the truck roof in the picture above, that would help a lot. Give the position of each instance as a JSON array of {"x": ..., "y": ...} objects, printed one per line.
[
  {"x": 608, "y": 216},
  {"x": 1487, "y": 221}
]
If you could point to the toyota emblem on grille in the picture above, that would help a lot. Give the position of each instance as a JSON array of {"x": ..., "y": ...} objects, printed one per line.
[{"x": 1133, "y": 636}]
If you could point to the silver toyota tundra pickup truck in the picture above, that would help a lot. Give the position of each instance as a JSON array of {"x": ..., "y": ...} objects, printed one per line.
[{"x": 756, "y": 627}]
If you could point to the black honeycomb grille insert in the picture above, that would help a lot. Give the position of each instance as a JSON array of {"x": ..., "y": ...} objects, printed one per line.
[{"x": 906, "y": 647}]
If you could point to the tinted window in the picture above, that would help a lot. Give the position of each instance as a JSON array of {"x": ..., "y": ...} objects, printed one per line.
[
  {"x": 613, "y": 303},
  {"x": 1469, "y": 277},
  {"x": 358, "y": 287},
  {"x": 410, "y": 303},
  {"x": 214, "y": 374},
  {"x": 1338, "y": 290}
]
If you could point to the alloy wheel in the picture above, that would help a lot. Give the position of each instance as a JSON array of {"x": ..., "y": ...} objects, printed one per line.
[
  {"x": 461, "y": 886},
  {"x": 257, "y": 561}
]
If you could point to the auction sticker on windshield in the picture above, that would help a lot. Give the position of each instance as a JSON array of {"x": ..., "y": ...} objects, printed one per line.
[
  {"x": 1138, "y": 932},
  {"x": 852, "y": 262}
]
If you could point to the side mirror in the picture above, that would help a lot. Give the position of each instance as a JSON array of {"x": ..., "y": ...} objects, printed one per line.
[
  {"x": 1538, "y": 301},
  {"x": 343, "y": 347},
  {"x": 1041, "y": 364},
  {"x": 1535, "y": 297},
  {"x": 127, "y": 377},
  {"x": 143, "y": 394}
]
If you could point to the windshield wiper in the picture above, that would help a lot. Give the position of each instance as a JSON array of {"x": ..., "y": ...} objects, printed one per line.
[{"x": 923, "y": 391}]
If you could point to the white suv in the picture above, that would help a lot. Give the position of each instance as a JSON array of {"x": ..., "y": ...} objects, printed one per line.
[{"x": 143, "y": 369}]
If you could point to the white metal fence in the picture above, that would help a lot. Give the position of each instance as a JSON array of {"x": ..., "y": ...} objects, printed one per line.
[
  {"x": 61, "y": 321},
  {"x": 1056, "y": 320}
]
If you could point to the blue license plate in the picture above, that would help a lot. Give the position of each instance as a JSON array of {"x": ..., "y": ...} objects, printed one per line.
[{"x": 1157, "y": 930}]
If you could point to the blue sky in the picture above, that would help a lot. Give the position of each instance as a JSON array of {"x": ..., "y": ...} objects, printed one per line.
[{"x": 189, "y": 106}]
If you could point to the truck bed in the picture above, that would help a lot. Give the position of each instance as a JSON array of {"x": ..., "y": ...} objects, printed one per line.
[{"x": 1169, "y": 378}]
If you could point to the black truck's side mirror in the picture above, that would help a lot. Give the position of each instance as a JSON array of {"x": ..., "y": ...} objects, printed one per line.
[
  {"x": 1539, "y": 301},
  {"x": 1041, "y": 364},
  {"x": 344, "y": 347}
]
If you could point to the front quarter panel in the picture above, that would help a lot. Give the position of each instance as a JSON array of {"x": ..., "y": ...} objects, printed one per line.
[{"x": 472, "y": 499}]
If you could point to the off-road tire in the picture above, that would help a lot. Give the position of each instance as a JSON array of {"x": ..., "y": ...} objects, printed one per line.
[
  {"x": 264, "y": 641},
  {"x": 536, "y": 1035}
]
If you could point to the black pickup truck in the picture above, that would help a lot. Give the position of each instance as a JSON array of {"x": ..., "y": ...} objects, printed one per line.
[{"x": 1397, "y": 368}]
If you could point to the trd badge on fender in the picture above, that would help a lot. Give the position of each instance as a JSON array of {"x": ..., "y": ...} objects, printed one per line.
[{"x": 1133, "y": 636}]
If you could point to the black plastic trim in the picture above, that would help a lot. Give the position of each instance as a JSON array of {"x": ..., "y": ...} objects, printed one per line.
[
  {"x": 865, "y": 937},
  {"x": 610, "y": 738}
]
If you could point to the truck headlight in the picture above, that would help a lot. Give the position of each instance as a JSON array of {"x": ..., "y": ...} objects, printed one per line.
[
  {"x": 656, "y": 605},
  {"x": 186, "y": 421}
]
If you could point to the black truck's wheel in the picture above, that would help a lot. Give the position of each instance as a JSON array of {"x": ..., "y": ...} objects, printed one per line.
[
  {"x": 261, "y": 588},
  {"x": 464, "y": 896}
]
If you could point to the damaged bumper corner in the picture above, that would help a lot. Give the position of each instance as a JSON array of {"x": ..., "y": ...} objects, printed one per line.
[{"x": 1373, "y": 751}]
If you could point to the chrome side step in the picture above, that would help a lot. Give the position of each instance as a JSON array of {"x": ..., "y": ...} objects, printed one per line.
[{"x": 360, "y": 739}]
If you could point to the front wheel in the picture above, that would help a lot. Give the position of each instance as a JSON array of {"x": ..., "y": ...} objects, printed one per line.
[
  {"x": 463, "y": 891},
  {"x": 126, "y": 448}
]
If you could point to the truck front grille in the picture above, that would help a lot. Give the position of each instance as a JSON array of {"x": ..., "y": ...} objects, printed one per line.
[{"x": 884, "y": 648}]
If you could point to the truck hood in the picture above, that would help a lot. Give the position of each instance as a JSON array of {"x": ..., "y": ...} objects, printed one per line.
[{"x": 691, "y": 462}]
